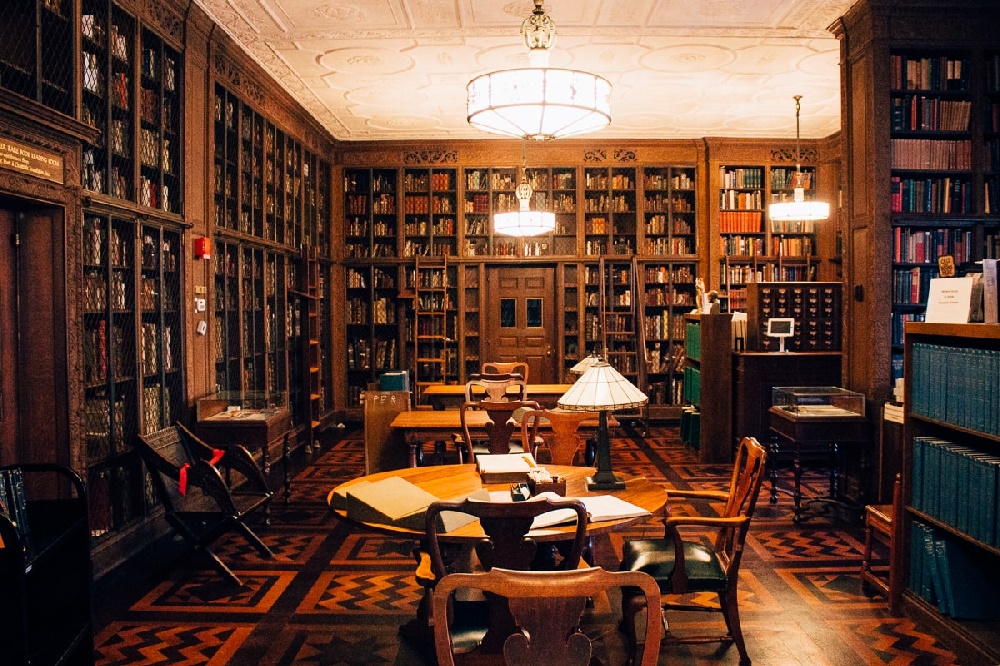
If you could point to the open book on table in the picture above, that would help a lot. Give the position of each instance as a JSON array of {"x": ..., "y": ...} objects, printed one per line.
[{"x": 599, "y": 508}]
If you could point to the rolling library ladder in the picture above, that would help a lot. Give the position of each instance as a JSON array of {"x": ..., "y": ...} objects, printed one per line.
[
  {"x": 433, "y": 324},
  {"x": 622, "y": 333}
]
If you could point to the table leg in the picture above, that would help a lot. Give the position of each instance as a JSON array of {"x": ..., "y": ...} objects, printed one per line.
[
  {"x": 286, "y": 455},
  {"x": 772, "y": 473},
  {"x": 834, "y": 476},
  {"x": 797, "y": 495}
]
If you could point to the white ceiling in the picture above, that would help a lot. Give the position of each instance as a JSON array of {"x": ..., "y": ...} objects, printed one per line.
[{"x": 681, "y": 69}]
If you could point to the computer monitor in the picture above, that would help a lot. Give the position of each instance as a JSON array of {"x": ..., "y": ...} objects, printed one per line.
[{"x": 781, "y": 328}]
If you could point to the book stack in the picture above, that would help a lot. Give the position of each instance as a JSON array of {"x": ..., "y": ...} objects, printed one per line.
[{"x": 893, "y": 412}]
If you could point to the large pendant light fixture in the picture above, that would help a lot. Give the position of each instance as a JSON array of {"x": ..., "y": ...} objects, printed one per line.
[
  {"x": 524, "y": 221},
  {"x": 798, "y": 210},
  {"x": 539, "y": 102}
]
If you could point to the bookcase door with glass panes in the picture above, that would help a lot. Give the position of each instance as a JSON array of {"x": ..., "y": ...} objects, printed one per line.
[
  {"x": 471, "y": 340},
  {"x": 430, "y": 212},
  {"x": 36, "y": 53},
  {"x": 133, "y": 377},
  {"x": 609, "y": 207},
  {"x": 370, "y": 213},
  {"x": 431, "y": 322},
  {"x": 488, "y": 191},
  {"x": 372, "y": 326},
  {"x": 571, "y": 319},
  {"x": 138, "y": 154}
]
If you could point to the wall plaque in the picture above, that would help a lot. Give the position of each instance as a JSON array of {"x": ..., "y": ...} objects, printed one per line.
[{"x": 31, "y": 160}]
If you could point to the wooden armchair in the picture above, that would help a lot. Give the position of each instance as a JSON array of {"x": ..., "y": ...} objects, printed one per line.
[
  {"x": 495, "y": 387},
  {"x": 506, "y": 544},
  {"x": 499, "y": 429},
  {"x": 197, "y": 501},
  {"x": 546, "y": 608},
  {"x": 680, "y": 566}
]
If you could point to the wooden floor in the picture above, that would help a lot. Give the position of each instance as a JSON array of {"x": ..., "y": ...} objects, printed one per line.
[{"x": 334, "y": 595}]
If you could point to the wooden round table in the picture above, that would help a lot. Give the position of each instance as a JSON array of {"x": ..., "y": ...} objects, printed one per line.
[{"x": 459, "y": 481}]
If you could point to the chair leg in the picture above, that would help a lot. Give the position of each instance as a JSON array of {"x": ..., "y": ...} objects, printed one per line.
[
  {"x": 630, "y": 608},
  {"x": 729, "y": 602},
  {"x": 255, "y": 541}
]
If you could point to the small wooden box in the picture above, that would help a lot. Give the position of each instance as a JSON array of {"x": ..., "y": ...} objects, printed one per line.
[{"x": 557, "y": 486}]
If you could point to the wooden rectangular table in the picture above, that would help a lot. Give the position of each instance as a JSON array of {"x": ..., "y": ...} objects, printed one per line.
[
  {"x": 444, "y": 396},
  {"x": 437, "y": 426}
]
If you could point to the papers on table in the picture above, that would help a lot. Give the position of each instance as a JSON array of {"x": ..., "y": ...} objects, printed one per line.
[
  {"x": 599, "y": 508},
  {"x": 505, "y": 468}
]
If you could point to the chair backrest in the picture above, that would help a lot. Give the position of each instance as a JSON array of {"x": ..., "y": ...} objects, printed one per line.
[
  {"x": 495, "y": 387},
  {"x": 165, "y": 455},
  {"x": 547, "y": 606},
  {"x": 744, "y": 487},
  {"x": 518, "y": 367},
  {"x": 506, "y": 525},
  {"x": 501, "y": 425},
  {"x": 563, "y": 442}
]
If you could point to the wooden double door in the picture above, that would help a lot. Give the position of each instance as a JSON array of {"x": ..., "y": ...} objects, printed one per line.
[{"x": 520, "y": 319}]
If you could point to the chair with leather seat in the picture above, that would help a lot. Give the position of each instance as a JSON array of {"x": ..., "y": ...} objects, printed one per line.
[
  {"x": 500, "y": 428},
  {"x": 511, "y": 367},
  {"x": 683, "y": 566},
  {"x": 546, "y": 608},
  {"x": 505, "y": 544}
]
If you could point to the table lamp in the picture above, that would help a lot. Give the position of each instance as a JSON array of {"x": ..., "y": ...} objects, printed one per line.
[{"x": 602, "y": 389}]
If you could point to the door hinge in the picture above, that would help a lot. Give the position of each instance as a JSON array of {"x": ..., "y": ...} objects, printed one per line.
[{"x": 15, "y": 239}]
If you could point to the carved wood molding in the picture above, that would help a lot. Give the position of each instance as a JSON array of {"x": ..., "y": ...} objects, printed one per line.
[
  {"x": 430, "y": 156},
  {"x": 788, "y": 155},
  {"x": 229, "y": 71},
  {"x": 595, "y": 155},
  {"x": 169, "y": 22},
  {"x": 625, "y": 155}
]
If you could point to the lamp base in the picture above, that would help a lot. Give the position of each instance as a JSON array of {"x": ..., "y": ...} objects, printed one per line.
[{"x": 604, "y": 481}]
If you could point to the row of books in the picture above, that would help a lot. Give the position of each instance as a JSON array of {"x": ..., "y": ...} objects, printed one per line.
[
  {"x": 899, "y": 320},
  {"x": 930, "y": 195},
  {"x": 741, "y": 177},
  {"x": 957, "y": 385},
  {"x": 928, "y": 73},
  {"x": 922, "y": 113},
  {"x": 958, "y": 486},
  {"x": 931, "y": 154},
  {"x": 951, "y": 575},
  {"x": 660, "y": 358},
  {"x": 663, "y": 326},
  {"x": 910, "y": 286},
  {"x": 919, "y": 246},
  {"x": 13, "y": 504},
  {"x": 736, "y": 200},
  {"x": 740, "y": 222}
]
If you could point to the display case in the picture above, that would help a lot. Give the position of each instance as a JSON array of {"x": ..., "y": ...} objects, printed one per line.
[
  {"x": 259, "y": 420},
  {"x": 818, "y": 401},
  {"x": 234, "y": 405}
]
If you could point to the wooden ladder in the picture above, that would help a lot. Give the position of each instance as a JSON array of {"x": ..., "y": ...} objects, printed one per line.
[{"x": 622, "y": 332}]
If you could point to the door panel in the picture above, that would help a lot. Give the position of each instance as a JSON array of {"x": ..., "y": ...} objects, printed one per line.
[{"x": 520, "y": 318}]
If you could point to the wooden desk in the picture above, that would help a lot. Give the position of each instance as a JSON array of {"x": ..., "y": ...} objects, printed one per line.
[
  {"x": 813, "y": 434},
  {"x": 444, "y": 396},
  {"x": 436, "y": 426},
  {"x": 459, "y": 481}
]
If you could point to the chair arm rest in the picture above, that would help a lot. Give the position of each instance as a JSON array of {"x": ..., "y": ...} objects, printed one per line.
[
  {"x": 698, "y": 494},
  {"x": 706, "y": 521},
  {"x": 239, "y": 459},
  {"x": 204, "y": 476}
]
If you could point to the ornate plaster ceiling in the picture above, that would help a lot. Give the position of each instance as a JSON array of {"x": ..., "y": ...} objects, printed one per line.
[{"x": 681, "y": 69}]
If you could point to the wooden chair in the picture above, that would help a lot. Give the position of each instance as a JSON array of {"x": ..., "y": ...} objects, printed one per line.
[
  {"x": 516, "y": 367},
  {"x": 680, "y": 566},
  {"x": 546, "y": 608},
  {"x": 206, "y": 507},
  {"x": 564, "y": 440},
  {"x": 495, "y": 387},
  {"x": 500, "y": 428},
  {"x": 506, "y": 544},
  {"x": 880, "y": 524}
]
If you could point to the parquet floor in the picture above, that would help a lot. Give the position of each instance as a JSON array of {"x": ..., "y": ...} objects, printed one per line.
[{"x": 335, "y": 595}]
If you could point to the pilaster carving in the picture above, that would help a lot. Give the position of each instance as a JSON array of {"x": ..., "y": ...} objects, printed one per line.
[
  {"x": 227, "y": 70},
  {"x": 169, "y": 22}
]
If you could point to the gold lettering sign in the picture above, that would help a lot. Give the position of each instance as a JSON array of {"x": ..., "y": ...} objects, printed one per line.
[{"x": 31, "y": 160}]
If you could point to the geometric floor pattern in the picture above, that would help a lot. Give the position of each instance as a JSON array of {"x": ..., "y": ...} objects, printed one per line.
[{"x": 334, "y": 595}]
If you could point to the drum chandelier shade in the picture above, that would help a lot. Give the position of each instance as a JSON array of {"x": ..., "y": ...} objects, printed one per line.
[
  {"x": 798, "y": 210},
  {"x": 539, "y": 102}
]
